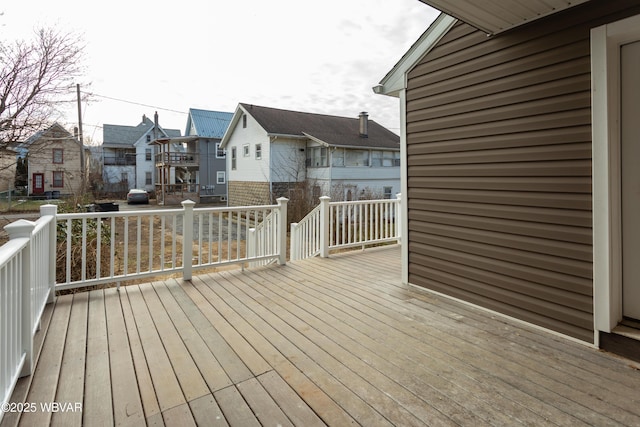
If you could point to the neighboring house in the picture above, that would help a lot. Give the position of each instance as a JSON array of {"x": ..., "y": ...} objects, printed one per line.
[
  {"x": 270, "y": 152},
  {"x": 54, "y": 163},
  {"x": 520, "y": 134},
  {"x": 8, "y": 159},
  {"x": 128, "y": 157},
  {"x": 209, "y": 127}
]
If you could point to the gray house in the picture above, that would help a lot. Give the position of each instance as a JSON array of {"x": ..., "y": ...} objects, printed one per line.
[
  {"x": 209, "y": 128},
  {"x": 519, "y": 129},
  {"x": 128, "y": 155}
]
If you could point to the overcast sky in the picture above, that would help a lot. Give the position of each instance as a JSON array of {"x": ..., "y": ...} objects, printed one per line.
[{"x": 321, "y": 57}]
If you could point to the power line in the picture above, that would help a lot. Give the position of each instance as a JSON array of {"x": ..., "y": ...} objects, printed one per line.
[{"x": 134, "y": 103}]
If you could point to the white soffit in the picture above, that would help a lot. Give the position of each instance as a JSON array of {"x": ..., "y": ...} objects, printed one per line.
[{"x": 496, "y": 16}]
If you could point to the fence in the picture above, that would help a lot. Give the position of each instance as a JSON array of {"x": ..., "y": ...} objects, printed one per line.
[
  {"x": 26, "y": 285},
  {"x": 336, "y": 225}
]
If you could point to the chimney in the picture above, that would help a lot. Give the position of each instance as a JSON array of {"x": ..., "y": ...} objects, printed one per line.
[
  {"x": 364, "y": 125},
  {"x": 155, "y": 128}
]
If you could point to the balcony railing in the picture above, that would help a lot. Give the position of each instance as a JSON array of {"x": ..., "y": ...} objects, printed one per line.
[
  {"x": 173, "y": 158},
  {"x": 128, "y": 160},
  {"x": 338, "y": 225}
]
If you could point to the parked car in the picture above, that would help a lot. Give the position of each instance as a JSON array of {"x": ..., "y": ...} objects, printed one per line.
[{"x": 137, "y": 196}]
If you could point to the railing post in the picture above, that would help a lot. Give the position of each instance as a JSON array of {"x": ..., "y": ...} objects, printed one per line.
[
  {"x": 16, "y": 230},
  {"x": 282, "y": 230},
  {"x": 53, "y": 248},
  {"x": 293, "y": 242},
  {"x": 399, "y": 217},
  {"x": 187, "y": 239},
  {"x": 252, "y": 246},
  {"x": 324, "y": 226}
]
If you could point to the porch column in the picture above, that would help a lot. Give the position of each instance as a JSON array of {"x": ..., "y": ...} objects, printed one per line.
[
  {"x": 53, "y": 241},
  {"x": 282, "y": 230},
  {"x": 324, "y": 226},
  {"x": 187, "y": 239}
]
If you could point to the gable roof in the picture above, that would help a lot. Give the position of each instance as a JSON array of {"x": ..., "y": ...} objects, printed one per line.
[
  {"x": 207, "y": 123},
  {"x": 496, "y": 16},
  {"x": 395, "y": 80},
  {"x": 126, "y": 136},
  {"x": 42, "y": 133},
  {"x": 330, "y": 130}
]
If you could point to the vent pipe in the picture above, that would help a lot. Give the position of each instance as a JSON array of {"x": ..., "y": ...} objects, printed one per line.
[{"x": 364, "y": 124}]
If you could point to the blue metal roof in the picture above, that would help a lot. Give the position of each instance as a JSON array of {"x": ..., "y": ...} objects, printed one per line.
[{"x": 210, "y": 124}]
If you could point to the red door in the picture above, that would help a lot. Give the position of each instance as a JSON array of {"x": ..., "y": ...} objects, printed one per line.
[{"x": 38, "y": 183}]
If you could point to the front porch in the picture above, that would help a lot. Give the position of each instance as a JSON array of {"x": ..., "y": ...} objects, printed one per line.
[{"x": 336, "y": 341}]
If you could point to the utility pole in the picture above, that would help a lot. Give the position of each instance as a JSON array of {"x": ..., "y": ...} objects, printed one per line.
[{"x": 81, "y": 139}]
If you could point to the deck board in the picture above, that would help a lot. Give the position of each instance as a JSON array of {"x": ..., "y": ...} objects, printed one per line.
[{"x": 337, "y": 341}]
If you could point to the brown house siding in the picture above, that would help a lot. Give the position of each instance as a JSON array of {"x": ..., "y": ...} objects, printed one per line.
[{"x": 499, "y": 168}]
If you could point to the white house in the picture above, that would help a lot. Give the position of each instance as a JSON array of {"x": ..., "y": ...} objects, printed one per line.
[
  {"x": 272, "y": 152},
  {"x": 128, "y": 156}
]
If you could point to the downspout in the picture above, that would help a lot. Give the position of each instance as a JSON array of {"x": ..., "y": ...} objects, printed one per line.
[{"x": 273, "y": 138}]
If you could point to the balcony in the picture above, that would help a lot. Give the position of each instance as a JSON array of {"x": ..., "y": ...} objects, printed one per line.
[
  {"x": 128, "y": 160},
  {"x": 318, "y": 341},
  {"x": 177, "y": 159}
]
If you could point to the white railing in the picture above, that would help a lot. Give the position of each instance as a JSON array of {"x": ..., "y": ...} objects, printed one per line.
[
  {"x": 337, "y": 225},
  {"x": 26, "y": 285},
  {"x": 107, "y": 247}
]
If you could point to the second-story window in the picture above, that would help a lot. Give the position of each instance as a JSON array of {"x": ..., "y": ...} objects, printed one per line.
[
  {"x": 148, "y": 138},
  {"x": 220, "y": 153},
  {"x": 58, "y": 155},
  {"x": 245, "y": 150},
  {"x": 233, "y": 158},
  {"x": 147, "y": 154},
  {"x": 258, "y": 151},
  {"x": 244, "y": 120}
]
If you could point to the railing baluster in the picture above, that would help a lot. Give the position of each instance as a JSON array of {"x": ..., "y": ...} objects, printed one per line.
[
  {"x": 138, "y": 243},
  {"x": 126, "y": 245},
  {"x": 83, "y": 273},
  {"x": 151, "y": 245},
  {"x": 98, "y": 247},
  {"x": 69, "y": 237}
]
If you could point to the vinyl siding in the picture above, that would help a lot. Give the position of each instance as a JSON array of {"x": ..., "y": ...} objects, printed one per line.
[{"x": 499, "y": 168}]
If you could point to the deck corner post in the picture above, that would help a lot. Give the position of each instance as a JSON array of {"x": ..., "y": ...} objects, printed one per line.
[
  {"x": 51, "y": 210},
  {"x": 399, "y": 217},
  {"x": 187, "y": 239},
  {"x": 324, "y": 226},
  {"x": 282, "y": 230},
  {"x": 23, "y": 229},
  {"x": 293, "y": 242}
]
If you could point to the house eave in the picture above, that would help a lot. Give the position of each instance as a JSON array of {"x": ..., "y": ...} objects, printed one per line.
[
  {"x": 396, "y": 80},
  {"x": 497, "y": 16}
]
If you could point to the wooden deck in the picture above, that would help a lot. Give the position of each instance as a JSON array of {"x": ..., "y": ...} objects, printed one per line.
[{"x": 335, "y": 341}]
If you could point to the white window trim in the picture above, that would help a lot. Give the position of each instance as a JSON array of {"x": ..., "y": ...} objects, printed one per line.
[
  {"x": 607, "y": 249},
  {"x": 224, "y": 153},
  {"x": 223, "y": 175},
  {"x": 258, "y": 150},
  {"x": 246, "y": 152}
]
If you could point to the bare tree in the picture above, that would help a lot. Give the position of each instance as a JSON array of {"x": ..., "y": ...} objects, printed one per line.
[{"x": 36, "y": 78}]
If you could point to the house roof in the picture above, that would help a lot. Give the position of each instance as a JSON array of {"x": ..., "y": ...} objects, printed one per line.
[
  {"x": 207, "y": 123},
  {"x": 54, "y": 127},
  {"x": 126, "y": 136},
  {"x": 496, "y": 16},
  {"x": 330, "y": 130},
  {"x": 395, "y": 80}
]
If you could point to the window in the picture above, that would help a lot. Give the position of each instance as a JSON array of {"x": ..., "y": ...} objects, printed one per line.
[
  {"x": 58, "y": 155},
  {"x": 124, "y": 177},
  {"x": 220, "y": 178},
  {"x": 148, "y": 180},
  {"x": 385, "y": 158},
  {"x": 356, "y": 158},
  {"x": 245, "y": 150},
  {"x": 317, "y": 157},
  {"x": 58, "y": 179},
  {"x": 258, "y": 151},
  {"x": 337, "y": 157},
  {"x": 387, "y": 192},
  {"x": 244, "y": 120},
  {"x": 147, "y": 154},
  {"x": 317, "y": 192},
  {"x": 148, "y": 138},
  {"x": 233, "y": 158},
  {"x": 220, "y": 153}
]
